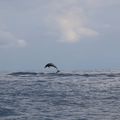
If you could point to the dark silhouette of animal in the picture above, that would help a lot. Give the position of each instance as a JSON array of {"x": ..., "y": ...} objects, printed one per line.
[{"x": 52, "y": 65}]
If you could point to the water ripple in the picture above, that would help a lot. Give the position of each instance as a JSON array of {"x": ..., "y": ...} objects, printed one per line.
[{"x": 63, "y": 96}]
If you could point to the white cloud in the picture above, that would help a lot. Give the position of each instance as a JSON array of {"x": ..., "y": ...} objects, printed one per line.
[
  {"x": 21, "y": 43},
  {"x": 73, "y": 28},
  {"x": 72, "y": 22},
  {"x": 69, "y": 20},
  {"x": 78, "y": 19},
  {"x": 7, "y": 39}
]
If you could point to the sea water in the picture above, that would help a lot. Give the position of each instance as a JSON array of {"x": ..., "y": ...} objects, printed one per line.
[{"x": 60, "y": 96}]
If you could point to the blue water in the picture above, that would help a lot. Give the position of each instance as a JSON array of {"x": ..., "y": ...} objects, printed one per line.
[{"x": 63, "y": 96}]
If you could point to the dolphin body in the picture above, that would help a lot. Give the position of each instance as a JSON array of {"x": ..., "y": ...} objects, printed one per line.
[{"x": 52, "y": 65}]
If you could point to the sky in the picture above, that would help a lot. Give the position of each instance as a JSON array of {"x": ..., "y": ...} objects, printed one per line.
[{"x": 73, "y": 34}]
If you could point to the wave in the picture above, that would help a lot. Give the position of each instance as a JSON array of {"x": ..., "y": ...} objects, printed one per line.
[
  {"x": 22, "y": 73},
  {"x": 65, "y": 74}
]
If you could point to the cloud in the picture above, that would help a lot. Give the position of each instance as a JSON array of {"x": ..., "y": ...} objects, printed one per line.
[
  {"x": 73, "y": 28},
  {"x": 7, "y": 39},
  {"x": 74, "y": 20},
  {"x": 69, "y": 20}
]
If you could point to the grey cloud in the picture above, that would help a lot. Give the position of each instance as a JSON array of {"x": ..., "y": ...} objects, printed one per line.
[
  {"x": 7, "y": 39},
  {"x": 69, "y": 20}
]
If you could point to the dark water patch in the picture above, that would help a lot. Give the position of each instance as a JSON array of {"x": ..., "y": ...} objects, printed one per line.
[
  {"x": 23, "y": 73},
  {"x": 7, "y": 112}
]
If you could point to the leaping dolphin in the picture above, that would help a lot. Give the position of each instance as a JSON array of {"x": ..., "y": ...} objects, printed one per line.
[{"x": 52, "y": 65}]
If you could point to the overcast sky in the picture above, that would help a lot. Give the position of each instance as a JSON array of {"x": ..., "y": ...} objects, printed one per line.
[{"x": 73, "y": 34}]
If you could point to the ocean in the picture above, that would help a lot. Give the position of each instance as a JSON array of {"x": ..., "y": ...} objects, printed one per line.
[{"x": 88, "y": 95}]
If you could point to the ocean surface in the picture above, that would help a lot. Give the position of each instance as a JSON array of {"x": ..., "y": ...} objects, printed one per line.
[{"x": 88, "y": 95}]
